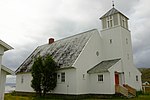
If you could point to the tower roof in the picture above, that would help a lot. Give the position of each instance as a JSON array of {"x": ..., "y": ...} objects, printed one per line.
[{"x": 112, "y": 12}]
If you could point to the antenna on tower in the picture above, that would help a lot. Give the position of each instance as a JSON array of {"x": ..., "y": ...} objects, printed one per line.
[{"x": 113, "y": 3}]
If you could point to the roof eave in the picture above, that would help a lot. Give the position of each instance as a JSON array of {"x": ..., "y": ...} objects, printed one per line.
[
  {"x": 112, "y": 11},
  {"x": 7, "y": 70},
  {"x": 97, "y": 72},
  {"x": 5, "y": 45},
  {"x": 113, "y": 14}
]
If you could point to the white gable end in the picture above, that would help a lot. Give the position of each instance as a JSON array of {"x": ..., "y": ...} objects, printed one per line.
[{"x": 90, "y": 56}]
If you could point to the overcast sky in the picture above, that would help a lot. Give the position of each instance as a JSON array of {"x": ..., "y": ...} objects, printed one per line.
[{"x": 26, "y": 24}]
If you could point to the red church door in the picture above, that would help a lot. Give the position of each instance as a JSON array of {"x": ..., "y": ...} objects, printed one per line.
[{"x": 116, "y": 78}]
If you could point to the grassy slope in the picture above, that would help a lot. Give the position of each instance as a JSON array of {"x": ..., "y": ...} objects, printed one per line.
[{"x": 145, "y": 74}]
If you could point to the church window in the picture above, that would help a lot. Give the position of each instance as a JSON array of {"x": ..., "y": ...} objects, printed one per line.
[
  {"x": 22, "y": 79},
  {"x": 137, "y": 78},
  {"x": 100, "y": 78},
  {"x": 97, "y": 53},
  {"x": 126, "y": 41},
  {"x": 110, "y": 41},
  {"x": 128, "y": 56},
  {"x": 109, "y": 21},
  {"x": 129, "y": 74},
  {"x": 58, "y": 76},
  {"x": 63, "y": 77},
  {"x": 124, "y": 22},
  {"x": 104, "y": 23},
  {"x": 83, "y": 76},
  {"x": 115, "y": 19}
]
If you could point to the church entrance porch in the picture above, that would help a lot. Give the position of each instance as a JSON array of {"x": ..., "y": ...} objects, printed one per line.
[
  {"x": 119, "y": 78},
  {"x": 121, "y": 87}
]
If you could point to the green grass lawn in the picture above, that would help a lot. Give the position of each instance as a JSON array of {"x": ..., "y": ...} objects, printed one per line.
[
  {"x": 141, "y": 97},
  {"x": 11, "y": 97}
]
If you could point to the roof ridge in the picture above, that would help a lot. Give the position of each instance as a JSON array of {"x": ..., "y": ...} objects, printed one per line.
[
  {"x": 85, "y": 32},
  {"x": 79, "y": 34}
]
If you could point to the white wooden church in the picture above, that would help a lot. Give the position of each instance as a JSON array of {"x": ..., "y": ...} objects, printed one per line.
[{"x": 90, "y": 62}]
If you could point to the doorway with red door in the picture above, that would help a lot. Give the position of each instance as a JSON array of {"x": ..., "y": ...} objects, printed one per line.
[
  {"x": 119, "y": 78},
  {"x": 116, "y": 78}
]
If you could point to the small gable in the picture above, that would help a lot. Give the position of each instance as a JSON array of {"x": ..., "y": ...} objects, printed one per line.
[{"x": 103, "y": 66}]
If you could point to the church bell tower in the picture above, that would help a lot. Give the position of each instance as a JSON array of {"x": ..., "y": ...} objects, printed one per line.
[
  {"x": 116, "y": 37},
  {"x": 114, "y": 18}
]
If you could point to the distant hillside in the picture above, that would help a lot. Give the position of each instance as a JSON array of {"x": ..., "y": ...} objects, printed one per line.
[{"x": 145, "y": 74}]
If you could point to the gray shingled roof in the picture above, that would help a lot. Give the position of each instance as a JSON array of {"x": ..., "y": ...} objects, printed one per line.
[
  {"x": 112, "y": 12},
  {"x": 64, "y": 51},
  {"x": 103, "y": 66}
]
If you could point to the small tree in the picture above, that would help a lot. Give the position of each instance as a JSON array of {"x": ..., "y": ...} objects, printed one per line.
[
  {"x": 49, "y": 75},
  {"x": 37, "y": 76},
  {"x": 44, "y": 75}
]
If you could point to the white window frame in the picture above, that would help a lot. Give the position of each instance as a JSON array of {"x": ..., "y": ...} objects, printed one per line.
[
  {"x": 22, "y": 79},
  {"x": 100, "y": 77},
  {"x": 83, "y": 76},
  {"x": 58, "y": 76},
  {"x": 137, "y": 78},
  {"x": 128, "y": 56},
  {"x": 63, "y": 77},
  {"x": 110, "y": 21},
  {"x": 110, "y": 41},
  {"x": 126, "y": 40},
  {"x": 124, "y": 23}
]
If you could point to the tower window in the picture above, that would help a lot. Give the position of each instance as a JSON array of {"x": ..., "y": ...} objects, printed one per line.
[
  {"x": 128, "y": 56},
  {"x": 124, "y": 23},
  {"x": 97, "y": 53},
  {"x": 126, "y": 41},
  {"x": 110, "y": 41},
  {"x": 108, "y": 24},
  {"x": 137, "y": 78},
  {"x": 109, "y": 21},
  {"x": 83, "y": 76}
]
